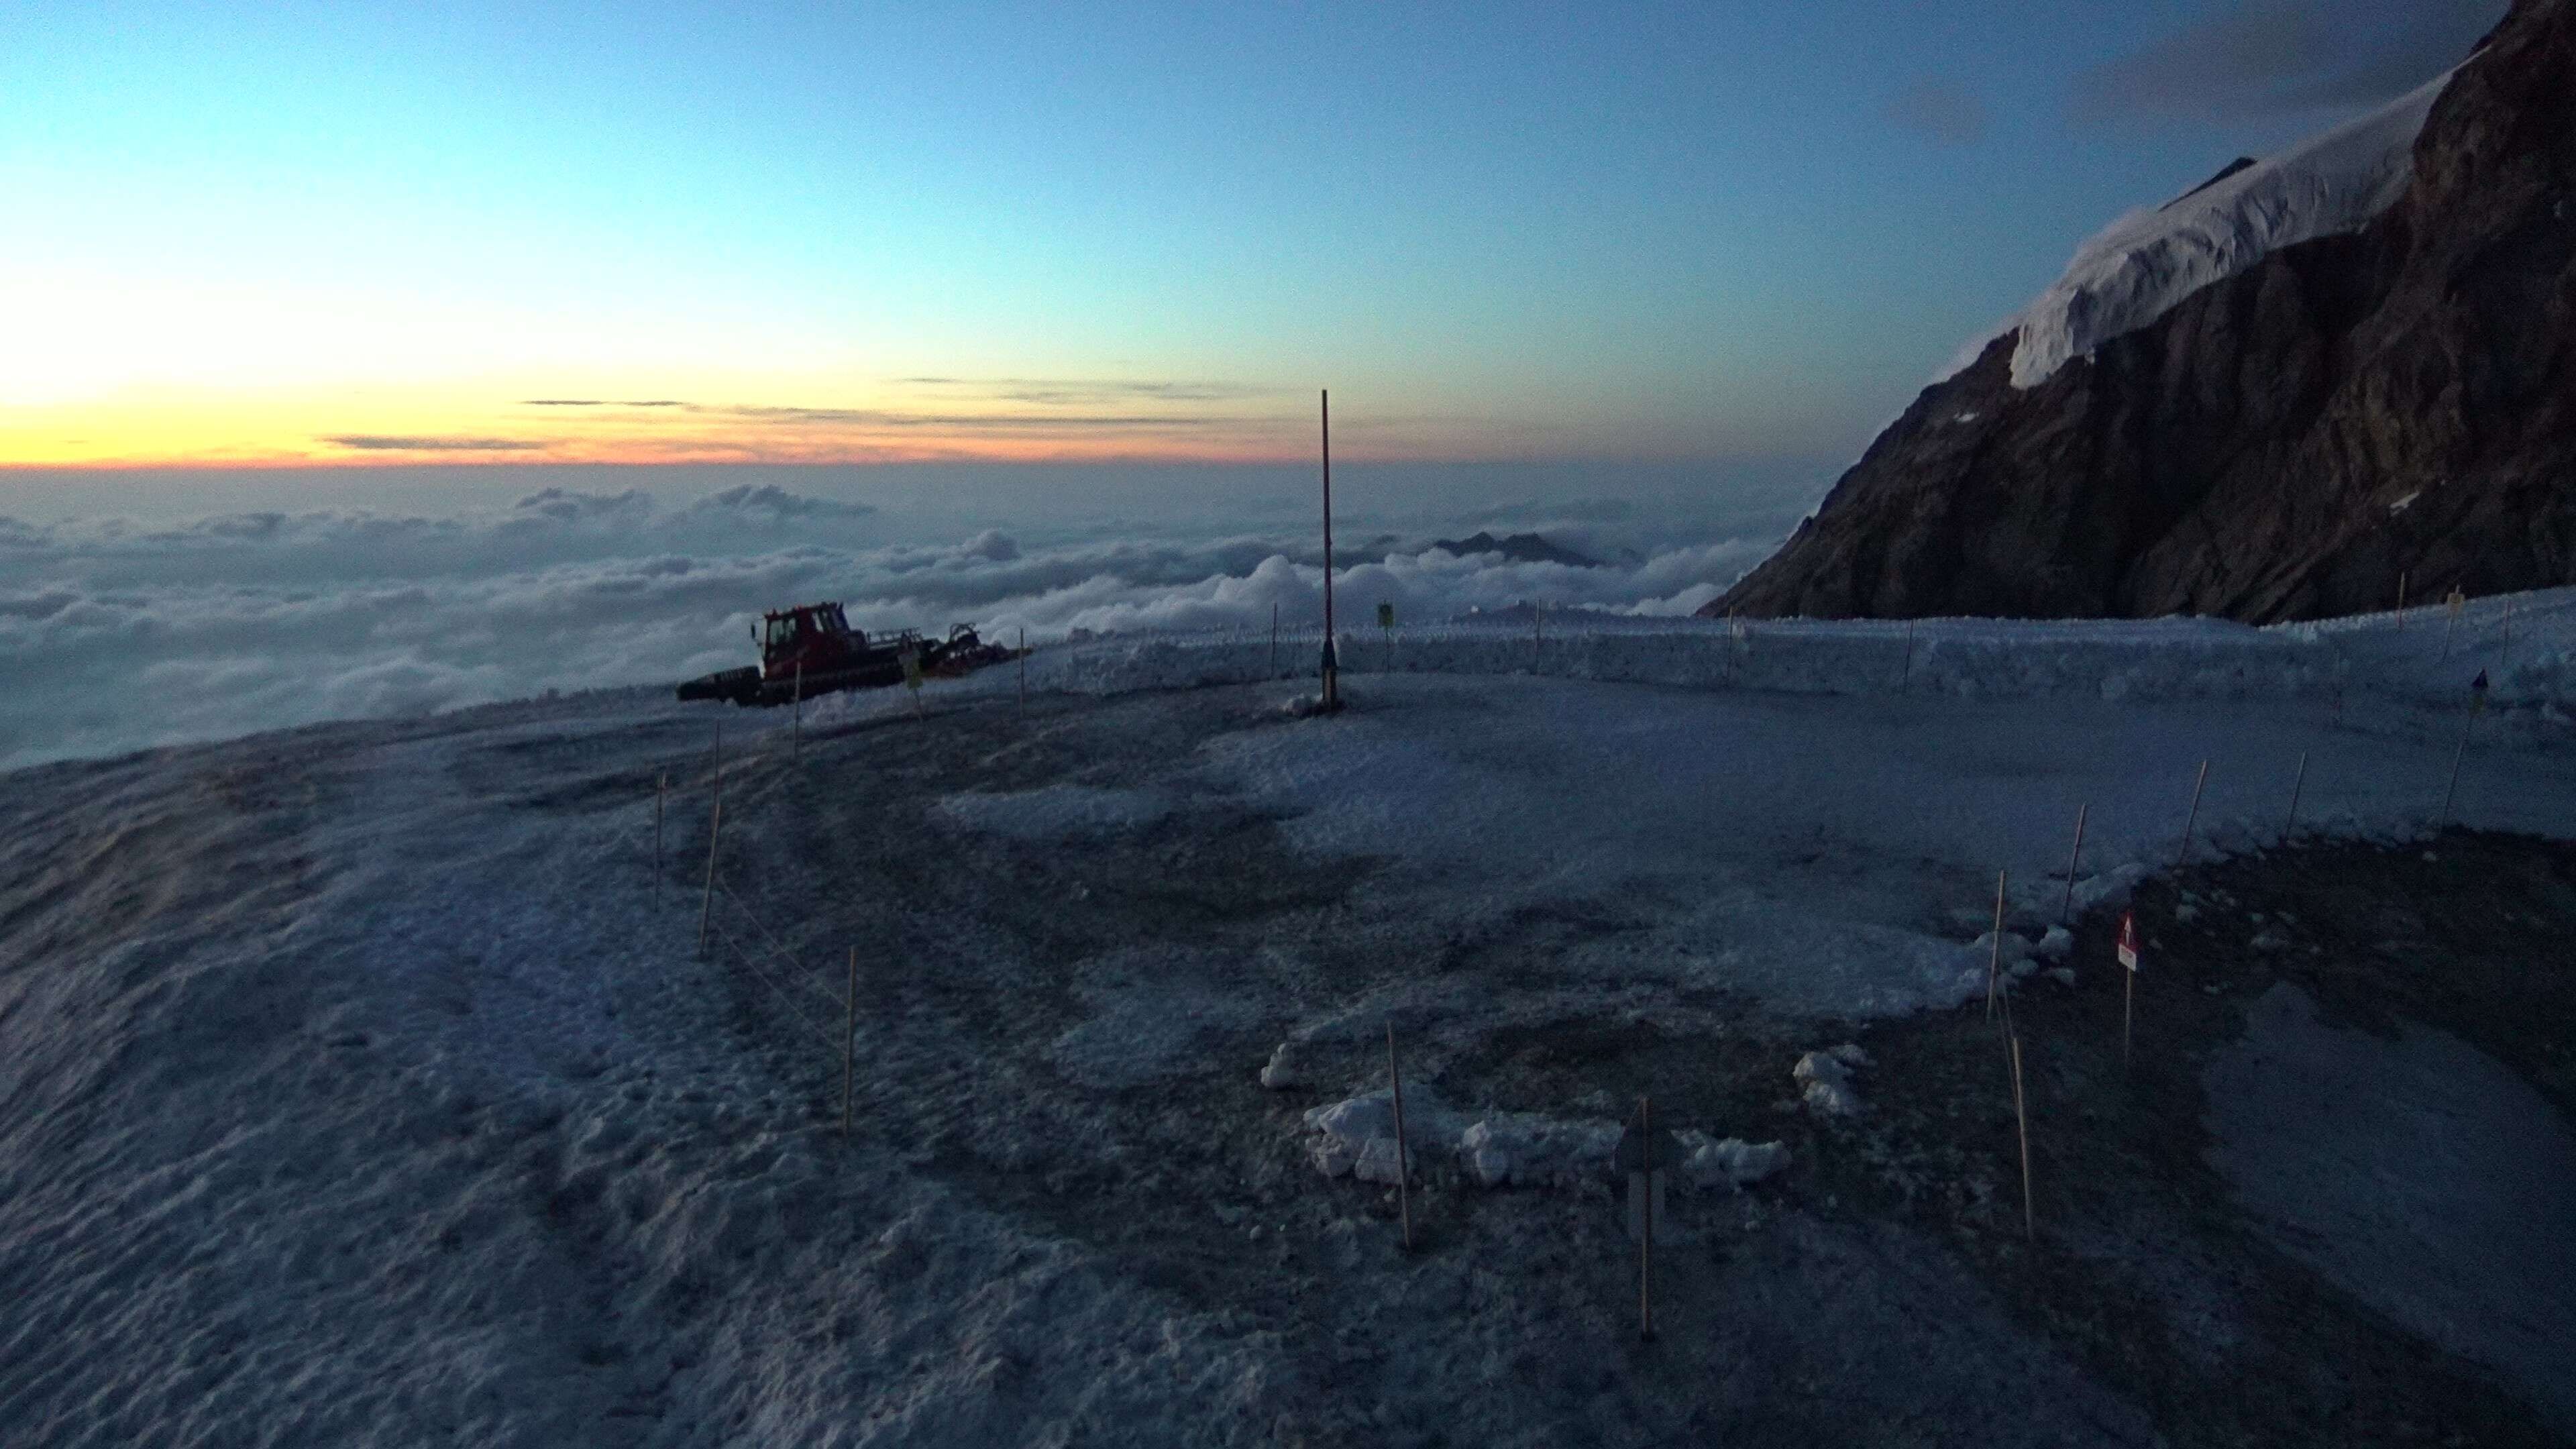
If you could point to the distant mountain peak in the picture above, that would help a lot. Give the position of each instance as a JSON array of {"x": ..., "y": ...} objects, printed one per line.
[{"x": 1518, "y": 547}]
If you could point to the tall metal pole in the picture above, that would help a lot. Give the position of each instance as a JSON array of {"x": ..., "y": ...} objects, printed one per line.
[{"x": 1332, "y": 666}]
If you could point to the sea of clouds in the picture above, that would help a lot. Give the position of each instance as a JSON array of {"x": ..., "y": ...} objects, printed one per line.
[{"x": 117, "y": 635}]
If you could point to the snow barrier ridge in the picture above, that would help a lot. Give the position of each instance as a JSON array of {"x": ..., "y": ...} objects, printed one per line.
[{"x": 2165, "y": 659}]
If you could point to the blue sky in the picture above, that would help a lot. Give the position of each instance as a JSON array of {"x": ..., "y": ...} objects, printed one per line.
[{"x": 1499, "y": 230}]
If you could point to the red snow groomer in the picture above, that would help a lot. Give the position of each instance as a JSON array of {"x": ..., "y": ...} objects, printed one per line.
[{"x": 811, "y": 649}]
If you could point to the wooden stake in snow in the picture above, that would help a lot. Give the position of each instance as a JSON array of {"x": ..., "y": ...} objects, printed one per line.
[
  {"x": 1995, "y": 956},
  {"x": 2191, "y": 822},
  {"x": 1024, "y": 669},
  {"x": 1646, "y": 1240},
  {"x": 850, "y": 1044},
  {"x": 2477, "y": 706},
  {"x": 796, "y": 740},
  {"x": 1395, "y": 1089},
  {"x": 2451, "y": 624},
  {"x": 715, "y": 832},
  {"x": 661, "y": 786},
  {"x": 1905, "y": 675},
  {"x": 2505, "y": 651},
  {"x": 2066, "y": 909},
  {"x": 2401, "y": 601},
  {"x": 1274, "y": 636},
  {"x": 2021, "y": 1118},
  {"x": 2297, "y": 783}
]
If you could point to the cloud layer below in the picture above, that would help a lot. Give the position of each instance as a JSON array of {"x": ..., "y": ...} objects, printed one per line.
[{"x": 117, "y": 636}]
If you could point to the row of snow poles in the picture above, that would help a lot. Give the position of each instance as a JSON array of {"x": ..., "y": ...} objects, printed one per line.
[
  {"x": 1999, "y": 1000},
  {"x": 2454, "y": 605},
  {"x": 848, "y": 1002}
]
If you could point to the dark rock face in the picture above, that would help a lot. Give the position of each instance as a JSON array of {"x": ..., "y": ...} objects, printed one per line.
[{"x": 2282, "y": 444}]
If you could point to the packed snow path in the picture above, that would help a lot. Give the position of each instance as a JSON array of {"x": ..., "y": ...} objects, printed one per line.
[{"x": 361, "y": 1084}]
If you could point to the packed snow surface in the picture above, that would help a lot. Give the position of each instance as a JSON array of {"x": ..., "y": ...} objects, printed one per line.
[
  {"x": 364, "y": 1083},
  {"x": 2134, "y": 270}
]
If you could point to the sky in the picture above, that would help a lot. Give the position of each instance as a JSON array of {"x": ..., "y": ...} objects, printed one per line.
[{"x": 344, "y": 235}]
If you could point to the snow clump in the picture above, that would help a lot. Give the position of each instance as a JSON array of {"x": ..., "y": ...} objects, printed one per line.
[
  {"x": 1730, "y": 1162},
  {"x": 1826, "y": 1076}
]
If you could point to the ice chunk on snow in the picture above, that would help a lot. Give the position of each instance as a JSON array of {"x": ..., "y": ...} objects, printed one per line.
[
  {"x": 1357, "y": 1135},
  {"x": 1731, "y": 1162},
  {"x": 2055, "y": 944},
  {"x": 1828, "y": 1084},
  {"x": 2134, "y": 270},
  {"x": 1535, "y": 1150},
  {"x": 1285, "y": 1069}
]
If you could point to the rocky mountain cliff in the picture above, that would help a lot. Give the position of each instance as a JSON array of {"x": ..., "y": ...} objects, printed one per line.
[{"x": 2283, "y": 442}]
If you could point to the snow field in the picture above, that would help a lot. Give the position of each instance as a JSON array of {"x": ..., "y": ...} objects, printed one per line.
[{"x": 362, "y": 1084}]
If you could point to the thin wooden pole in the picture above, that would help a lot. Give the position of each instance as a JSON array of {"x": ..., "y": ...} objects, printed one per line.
[
  {"x": 1395, "y": 1088},
  {"x": 2401, "y": 601},
  {"x": 796, "y": 741},
  {"x": 2505, "y": 651},
  {"x": 2021, "y": 1118},
  {"x": 661, "y": 787},
  {"x": 850, "y": 1045},
  {"x": 1646, "y": 1243},
  {"x": 1274, "y": 636},
  {"x": 1995, "y": 956},
  {"x": 2452, "y": 790},
  {"x": 2450, "y": 622},
  {"x": 715, "y": 832},
  {"x": 2296, "y": 785},
  {"x": 1024, "y": 668},
  {"x": 2066, "y": 908},
  {"x": 1905, "y": 676},
  {"x": 2191, "y": 822}
]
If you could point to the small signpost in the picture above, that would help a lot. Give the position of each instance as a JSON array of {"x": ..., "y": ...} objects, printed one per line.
[{"x": 2128, "y": 949}]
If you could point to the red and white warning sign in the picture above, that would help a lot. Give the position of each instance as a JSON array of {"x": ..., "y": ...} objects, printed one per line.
[{"x": 2129, "y": 939}]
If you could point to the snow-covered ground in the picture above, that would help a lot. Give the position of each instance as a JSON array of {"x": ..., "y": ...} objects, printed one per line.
[{"x": 362, "y": 1083}]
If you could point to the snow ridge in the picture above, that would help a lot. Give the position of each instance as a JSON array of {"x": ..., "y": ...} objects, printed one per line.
[{"x": 2137, "y": 268}]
